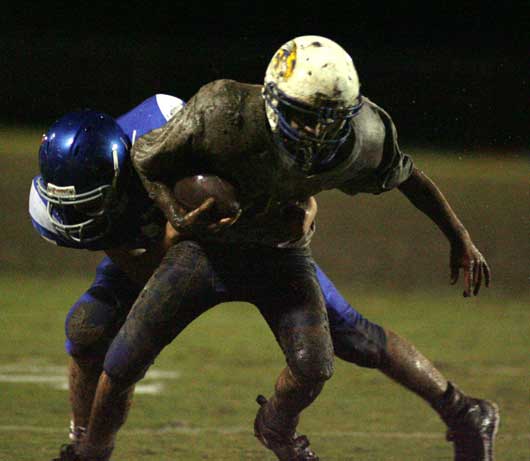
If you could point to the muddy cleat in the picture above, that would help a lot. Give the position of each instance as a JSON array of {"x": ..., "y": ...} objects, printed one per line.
[
  {"x": 67, "y": 454},
  {"x": 282, "y": 439},
  {"x": 472, "y": 425}
]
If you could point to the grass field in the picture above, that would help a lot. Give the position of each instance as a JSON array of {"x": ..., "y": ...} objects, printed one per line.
[
  {"x": 197, "y": 403},
  {"x": 206, "y": 381}
]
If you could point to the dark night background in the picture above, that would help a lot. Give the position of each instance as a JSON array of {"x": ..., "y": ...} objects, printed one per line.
[{"x": 455, "y": 76}]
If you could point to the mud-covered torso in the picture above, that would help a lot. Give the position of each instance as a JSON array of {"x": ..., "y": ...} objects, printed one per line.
[{"x": 224, "y": 131}]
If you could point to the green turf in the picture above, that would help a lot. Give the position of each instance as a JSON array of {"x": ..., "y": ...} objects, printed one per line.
[
  {"x": 228, "y": 356},
  {"x": 395, "y": 264}
]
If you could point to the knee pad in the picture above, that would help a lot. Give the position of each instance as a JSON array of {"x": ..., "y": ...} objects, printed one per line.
[
  {"x": 92, "y": 323},
  {"x": 363, "y": 344}
]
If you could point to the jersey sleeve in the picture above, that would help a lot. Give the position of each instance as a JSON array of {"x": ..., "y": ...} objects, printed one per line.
[
  {"x": 149, "y": 115},
  {"x": 176, "y": 147},
  {"x": 394, "y": 168}
]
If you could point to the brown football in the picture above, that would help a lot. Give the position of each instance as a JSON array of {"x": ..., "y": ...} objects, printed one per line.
[{"x": 190, "y": 192}]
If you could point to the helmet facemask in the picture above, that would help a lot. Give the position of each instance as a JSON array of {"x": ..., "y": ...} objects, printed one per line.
[
  {"x": 311, "y": 136},
  {"x": 85, "y": 217}
]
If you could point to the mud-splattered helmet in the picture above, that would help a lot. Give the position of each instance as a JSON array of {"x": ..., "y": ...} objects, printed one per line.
[{"x": 311, "y": 90}]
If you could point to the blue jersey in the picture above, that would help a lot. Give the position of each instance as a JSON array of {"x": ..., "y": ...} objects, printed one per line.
[{"x": 141, "y": 222}]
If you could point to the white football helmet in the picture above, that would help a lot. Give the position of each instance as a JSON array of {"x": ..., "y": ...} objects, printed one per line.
[{"x": 311, "y": 90}]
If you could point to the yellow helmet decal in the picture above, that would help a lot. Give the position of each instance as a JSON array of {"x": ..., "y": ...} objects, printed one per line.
[{"x": 285, "y": 60}]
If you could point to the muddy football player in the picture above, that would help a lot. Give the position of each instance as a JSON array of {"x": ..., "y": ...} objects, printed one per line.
[{"x": 305, "y": 130}]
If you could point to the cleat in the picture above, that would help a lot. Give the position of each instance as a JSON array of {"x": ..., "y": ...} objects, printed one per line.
[
  {"x": 472, "y": 426},
  {"x": 474, "y": 436},
  {"x": 282, "y": 441},
  {"x": 67, "y": 454}
]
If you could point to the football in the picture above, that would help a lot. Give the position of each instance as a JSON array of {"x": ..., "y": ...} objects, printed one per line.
[{"x": 190, "y": 192}]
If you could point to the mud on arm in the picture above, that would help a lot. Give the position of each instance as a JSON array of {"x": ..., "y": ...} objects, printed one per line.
[{"x": 160, "y": 157}]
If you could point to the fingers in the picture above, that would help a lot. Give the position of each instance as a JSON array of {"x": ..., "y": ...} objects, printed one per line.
[
  {"x": 223, "y": 223},
  {"x": 477, "y": 279},
  {"x": 206, "y": 205},
  {"x": 473, "y": 276},
  {"x": 474, "y": 266},
  {"x": 454, "y": 273},
  {"x": 487, "y": 273},
  {"x": 190, "y": 218},
  {"x": 468, "y": 279},
  {"x": 482, "y": 272}
]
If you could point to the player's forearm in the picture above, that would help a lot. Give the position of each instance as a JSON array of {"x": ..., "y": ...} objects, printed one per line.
[
  {"x": 425, "y": 195},
  {"x": 140, "y": 264}
]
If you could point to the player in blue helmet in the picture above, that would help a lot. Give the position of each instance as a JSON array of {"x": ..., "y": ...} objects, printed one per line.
[
  {"x": 88, "y": 197},
  {"x": 133, "y": 225}
]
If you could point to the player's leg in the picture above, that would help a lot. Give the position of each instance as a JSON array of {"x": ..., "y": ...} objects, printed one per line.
[
  {"x": 177, "y": 293},
  {"x": 294, "y": 309},
  {"x": 472, "y": 422},
  {"x": 90, "y": 326}
]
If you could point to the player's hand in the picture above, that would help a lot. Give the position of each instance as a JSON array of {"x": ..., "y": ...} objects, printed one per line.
[
  {"x": 299, "y": 217},
  {"x": 187, "y": 222},
  {"x": 223, "y": 223},
  {"x": 191, "y": 223},
  {"x": 465, "y": 256},
  {"x": 172, "y": 235}
]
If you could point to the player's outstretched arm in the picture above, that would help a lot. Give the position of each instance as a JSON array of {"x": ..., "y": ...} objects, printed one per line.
[{"x": 425, "y": 195}]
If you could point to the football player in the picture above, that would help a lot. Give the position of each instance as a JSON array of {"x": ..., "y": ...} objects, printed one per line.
[
  {"x": 89, "y": 197},
  {"x": 357, "y": 340},
  {"x": 307, "y": 129}
]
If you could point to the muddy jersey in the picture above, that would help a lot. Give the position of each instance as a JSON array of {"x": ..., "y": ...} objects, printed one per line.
[
  {"x": 141, "y": 222},
  {"x": 224, "y": 130}
]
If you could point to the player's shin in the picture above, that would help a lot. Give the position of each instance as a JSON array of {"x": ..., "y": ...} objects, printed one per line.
[
  {"x": 109, "y": 412},
  {"x": 409, "y": 367},
  {"x": 291, "y": 397},
  {"x": 83, "y": 376}
]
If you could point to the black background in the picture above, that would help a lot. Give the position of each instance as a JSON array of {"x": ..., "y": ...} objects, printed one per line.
[{"x": 449, "y": 75}]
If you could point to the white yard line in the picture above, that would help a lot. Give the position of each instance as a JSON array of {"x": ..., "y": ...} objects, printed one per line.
[{"x": 56, "y": 377}]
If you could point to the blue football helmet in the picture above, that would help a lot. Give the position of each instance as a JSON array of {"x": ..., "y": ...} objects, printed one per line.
[{"x": 84, "y": 165}]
